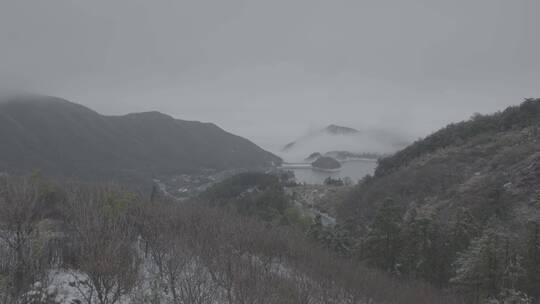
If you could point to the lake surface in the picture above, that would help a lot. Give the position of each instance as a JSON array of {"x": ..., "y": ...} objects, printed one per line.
[{"x": 356, "y": 170}]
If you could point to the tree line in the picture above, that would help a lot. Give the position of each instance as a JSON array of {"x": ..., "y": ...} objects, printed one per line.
[
  {"x": 487, "y": 263},
  {"x": 122, "y": 247}
]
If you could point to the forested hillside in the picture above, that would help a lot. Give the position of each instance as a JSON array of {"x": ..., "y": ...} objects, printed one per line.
[
  {"x": 65, "y": 139},
  {"x": 459, "y": 209}
]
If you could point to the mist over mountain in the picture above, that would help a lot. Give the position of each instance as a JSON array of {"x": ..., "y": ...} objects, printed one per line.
[
  {"x": 341, "y": 138},
  {"x": 62, "y": 138},
  {"x": 332, "y": 152}
]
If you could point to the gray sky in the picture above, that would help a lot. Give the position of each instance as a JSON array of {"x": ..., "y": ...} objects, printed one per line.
[{"x": 271, "y": 69}]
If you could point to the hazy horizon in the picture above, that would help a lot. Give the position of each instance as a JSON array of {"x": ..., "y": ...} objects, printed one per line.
[{"x": 272, "y": 70}]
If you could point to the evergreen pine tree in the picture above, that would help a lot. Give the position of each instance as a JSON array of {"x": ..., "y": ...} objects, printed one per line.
[
  {"x": 490, "y": 264},
  {"x": 532, "y": 260},
  {"x": 383, "y": 241}
]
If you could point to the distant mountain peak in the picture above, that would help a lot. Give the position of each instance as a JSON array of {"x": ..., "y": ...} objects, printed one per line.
[
  {"x": 340, "y": 130},
  {"x": 351, "y": 142},
  {"x": 330, "y": 130}
]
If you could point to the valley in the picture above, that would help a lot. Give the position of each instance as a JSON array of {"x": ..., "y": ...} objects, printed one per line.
[
  {"x": 269, "y": 152},
  {"x": 423, "y": 213}
]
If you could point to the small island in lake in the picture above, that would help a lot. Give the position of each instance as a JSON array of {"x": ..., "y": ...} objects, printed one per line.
[{"x": 326, "y": 163}]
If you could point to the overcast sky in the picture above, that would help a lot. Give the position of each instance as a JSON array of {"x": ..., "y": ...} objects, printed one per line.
[{"x": 271, "y": 69}]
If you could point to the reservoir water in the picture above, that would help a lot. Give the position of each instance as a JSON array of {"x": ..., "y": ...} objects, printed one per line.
[{"x": 355, "y": 170}]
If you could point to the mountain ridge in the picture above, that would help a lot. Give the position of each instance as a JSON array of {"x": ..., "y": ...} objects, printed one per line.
[{"x": 64, "y": 138}]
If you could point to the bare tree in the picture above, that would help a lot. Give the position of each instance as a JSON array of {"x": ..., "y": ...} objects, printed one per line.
[
  {"x": 187, "y": 278},
  {"x": 104, "y": 242},
  {"x": 170, "y": 238},
  {"x": 21, "y": 209}
]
